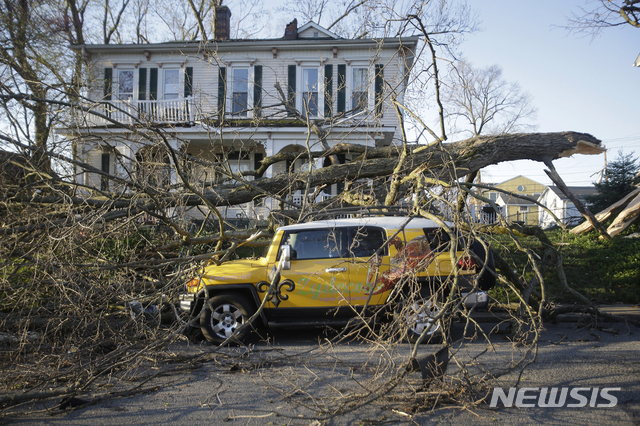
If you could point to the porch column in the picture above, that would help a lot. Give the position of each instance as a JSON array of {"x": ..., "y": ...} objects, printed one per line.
[
  {"x": 269, "y": 203},
  {"x": 176, "y": 145}
]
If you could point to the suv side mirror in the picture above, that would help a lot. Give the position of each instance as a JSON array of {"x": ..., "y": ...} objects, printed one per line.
[{"x": 285, "y": 257}]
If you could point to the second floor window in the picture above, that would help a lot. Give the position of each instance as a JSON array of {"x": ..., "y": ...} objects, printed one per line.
[
  {"x": 360, "y": 92},
  {"x": 240, "y": 94},
  {"x": 171, "y": 84},
  {"x": 125, "y": 85},
  {"x": 310, "y": 91}
]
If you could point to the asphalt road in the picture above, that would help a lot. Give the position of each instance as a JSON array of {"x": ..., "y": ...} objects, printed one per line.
[{"x": 294, "y": 380}]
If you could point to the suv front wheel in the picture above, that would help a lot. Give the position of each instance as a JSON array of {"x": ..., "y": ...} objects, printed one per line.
[{"x": 222, "y": 316}]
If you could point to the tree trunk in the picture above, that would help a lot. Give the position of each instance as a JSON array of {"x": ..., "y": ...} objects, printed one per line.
[{"x": 454, "y": 160}]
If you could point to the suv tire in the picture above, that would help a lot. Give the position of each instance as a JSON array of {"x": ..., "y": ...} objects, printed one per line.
[
  {"x": 416, "y": 317},
  {"x": 223, "y": 315}
]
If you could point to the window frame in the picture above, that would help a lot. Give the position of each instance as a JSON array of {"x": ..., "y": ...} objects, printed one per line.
[
  {"x": 244, "y": 111},
  {"x": 370, "y": 86},
  {"x": 301, "y": 66},
  {"x": 134, "y": 83},
  {"x": 231, "y": 69},
  {"x": 179, "y": 83},
  {"x": 304, "y": 92}
]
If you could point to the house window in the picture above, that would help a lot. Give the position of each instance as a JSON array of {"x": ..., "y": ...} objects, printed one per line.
[
  {"x": 239, "y": 167},
  {"x": 493, "y": 196},
  {"x": 310, "y": 92},
  {"x": 125, "y": 85},
  {"x": 153, "y": 167},
  {"x": 238, "y": 162},
  {"x": 171, "y": 88},
  {"x": 521, "y": 188},
  {"x": 524, "y": 209},
  {"x": 360, "y": 89},
  {"x": 240, "y": 92}
]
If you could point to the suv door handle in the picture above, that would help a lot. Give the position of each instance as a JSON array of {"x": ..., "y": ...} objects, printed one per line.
[{"x": 335, "y": 270}]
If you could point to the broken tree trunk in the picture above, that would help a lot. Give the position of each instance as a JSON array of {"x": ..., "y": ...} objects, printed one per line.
[
  {"x": 626, "y": 217},
  {"x": 611, "y": 211},
  {"x": 555, "y": 177}
]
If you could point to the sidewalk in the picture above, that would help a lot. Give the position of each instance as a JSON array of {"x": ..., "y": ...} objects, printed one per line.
[{"x": 628, "y": 311}]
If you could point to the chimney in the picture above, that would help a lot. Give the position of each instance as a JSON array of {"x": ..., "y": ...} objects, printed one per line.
[
  {"x": 223, "y": 23},
  {"x": 291, "y": 30}
]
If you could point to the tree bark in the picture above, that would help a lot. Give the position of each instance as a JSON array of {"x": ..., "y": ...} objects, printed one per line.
[{"x": 454, "y": 160}]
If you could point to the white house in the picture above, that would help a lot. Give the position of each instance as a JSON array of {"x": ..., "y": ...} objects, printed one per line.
[
  {"x": 225, "y": 101},
  {"x": 561, "y": 206}
]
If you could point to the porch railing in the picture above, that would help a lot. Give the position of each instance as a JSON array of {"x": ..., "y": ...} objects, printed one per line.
[{"x": 131, "y": 112}]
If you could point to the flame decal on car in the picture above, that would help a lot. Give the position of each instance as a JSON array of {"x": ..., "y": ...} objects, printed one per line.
[{"x": 415, "y": 256}]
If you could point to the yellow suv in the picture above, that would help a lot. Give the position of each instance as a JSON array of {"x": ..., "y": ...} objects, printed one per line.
[{"x": 329, "y": 271}]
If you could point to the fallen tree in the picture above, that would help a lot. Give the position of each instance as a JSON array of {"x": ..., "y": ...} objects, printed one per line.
[
  {"x": 624, "y": 212},
  {"x": 453, "y": 160}
]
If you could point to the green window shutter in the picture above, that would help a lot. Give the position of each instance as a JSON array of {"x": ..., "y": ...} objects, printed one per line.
[
  {"x": 379, "y": 88},
  {"x": 142, "y": 84},
  {"x": 291, "y": 87},
  {"x": 188, "y": 82},
  {"x": 328, "y": 90},
  {"x": 108, "y": 77},
  {"x": 342, "y": 88},
  {"x": 257, "y": 91},
  {"x": 153, "y": 84},
  {"x": 222, "y": 91}
]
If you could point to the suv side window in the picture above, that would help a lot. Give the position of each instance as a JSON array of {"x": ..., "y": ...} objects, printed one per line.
[
  {"x": 438, "y": 239},
  {"x": 366, "y": 241},
  {"x": 314, "y": 243}
]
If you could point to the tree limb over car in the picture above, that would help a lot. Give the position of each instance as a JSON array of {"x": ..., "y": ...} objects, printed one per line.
[{"x": 457, "y": 159}]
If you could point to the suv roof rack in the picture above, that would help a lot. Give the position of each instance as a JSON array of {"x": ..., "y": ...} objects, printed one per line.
[{"x": 357, "y": 212}]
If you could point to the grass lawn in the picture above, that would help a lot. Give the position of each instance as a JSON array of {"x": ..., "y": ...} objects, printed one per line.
[{"x": 604, "y": 271}]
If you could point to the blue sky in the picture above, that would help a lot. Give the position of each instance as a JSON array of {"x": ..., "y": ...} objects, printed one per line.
[{"x": 577, "y": 82}]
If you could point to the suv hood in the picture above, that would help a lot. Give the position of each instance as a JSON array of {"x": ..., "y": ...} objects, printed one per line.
[{"x": 237, "y": 271}]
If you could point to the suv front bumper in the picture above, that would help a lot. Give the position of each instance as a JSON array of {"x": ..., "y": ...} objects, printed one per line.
[{"x": 186, "y": 301}]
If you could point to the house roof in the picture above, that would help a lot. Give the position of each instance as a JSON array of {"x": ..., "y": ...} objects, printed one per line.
[
  {"x": 579, "y": 191},
  {"x": 325, "y": 39},
  {"x": 504, "y": 199},
  {"x": 322, "y": 32},
  {"x": 516, "y": 177}
]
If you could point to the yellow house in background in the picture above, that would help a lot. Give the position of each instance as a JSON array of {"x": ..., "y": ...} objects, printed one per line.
[{"x": 515, "y": 209}]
